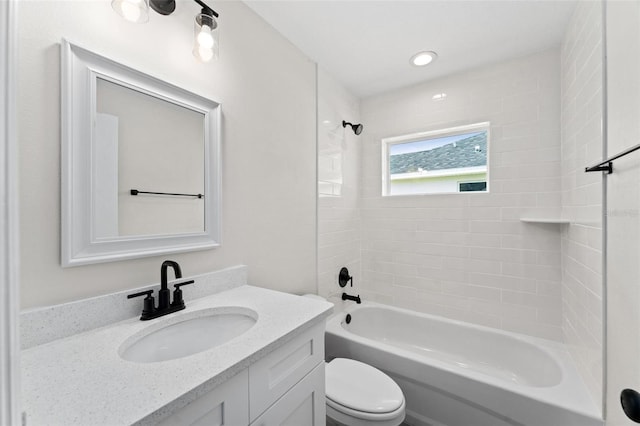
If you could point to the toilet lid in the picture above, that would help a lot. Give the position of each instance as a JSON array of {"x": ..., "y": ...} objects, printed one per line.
[{"x": 361, "y": 387}]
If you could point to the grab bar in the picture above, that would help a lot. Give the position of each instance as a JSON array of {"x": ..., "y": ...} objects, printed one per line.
[{"x": 607, "y": 165}]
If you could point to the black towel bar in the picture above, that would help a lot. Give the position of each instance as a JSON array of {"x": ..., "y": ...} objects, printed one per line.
[
  {"x": 607, "y": 165},
  {"x": 136, "y": 192}
]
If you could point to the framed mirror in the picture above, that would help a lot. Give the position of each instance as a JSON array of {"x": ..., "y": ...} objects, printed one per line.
[{"x": 140, "y": 163}]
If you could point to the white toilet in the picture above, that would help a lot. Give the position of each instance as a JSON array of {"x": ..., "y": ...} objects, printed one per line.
[
  {"x": 358, "y": 394},
  {"x": 361, "y": 395}
]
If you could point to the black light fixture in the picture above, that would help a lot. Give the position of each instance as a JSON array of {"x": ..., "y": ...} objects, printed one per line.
[
  {"x": 205, "y": 27},
  {"x": 163, "y": 7},
  {"x": 357, "y": 128}
]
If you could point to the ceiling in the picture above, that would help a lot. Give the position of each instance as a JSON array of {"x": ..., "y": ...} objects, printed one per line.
[{"x": 366, "y": 45}]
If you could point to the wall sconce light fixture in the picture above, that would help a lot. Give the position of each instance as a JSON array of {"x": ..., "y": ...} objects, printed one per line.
[
  {"x": 206, "y": 30},
  {"x": 205, "y": 46}
]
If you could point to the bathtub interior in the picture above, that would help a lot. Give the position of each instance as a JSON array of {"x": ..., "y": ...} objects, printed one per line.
[
  {"x": 496, "y": 355},
  {"x": 453, "y": 373}
]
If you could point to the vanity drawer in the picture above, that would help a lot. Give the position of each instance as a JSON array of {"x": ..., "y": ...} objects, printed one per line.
[
  {"x": 275, "y": 374},
  {"x": 302, "y": 405},
  {"x": 226, "y": 404}
]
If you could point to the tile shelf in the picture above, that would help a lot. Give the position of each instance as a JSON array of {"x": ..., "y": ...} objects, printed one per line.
[{"x": 554, "y": 220}]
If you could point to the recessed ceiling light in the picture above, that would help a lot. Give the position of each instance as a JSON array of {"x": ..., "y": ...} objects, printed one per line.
[{"x": 421, "y": 59}]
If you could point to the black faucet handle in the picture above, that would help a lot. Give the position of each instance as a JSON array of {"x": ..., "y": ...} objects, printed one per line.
[
  {"x": 147, "y": 293},
  {"x": 178, "y": 285},
  {"x": 149, "y": 303},
  {"x": 344, "y": 277},
  {"x": 177, "y": 294}
]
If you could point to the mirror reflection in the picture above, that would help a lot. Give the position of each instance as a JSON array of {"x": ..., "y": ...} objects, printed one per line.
[{"x": 148, "y": 164}]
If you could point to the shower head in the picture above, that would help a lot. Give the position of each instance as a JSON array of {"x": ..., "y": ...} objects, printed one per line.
[{"x": 357, "y": 128}]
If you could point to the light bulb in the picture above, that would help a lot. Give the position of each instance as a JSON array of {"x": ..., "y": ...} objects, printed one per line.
[
  {"x": 132, "y": 10},
  {"x": 205, "y": 38},
  {"x": 205, "y": 54},
  {"x": 421, "y": 59}
]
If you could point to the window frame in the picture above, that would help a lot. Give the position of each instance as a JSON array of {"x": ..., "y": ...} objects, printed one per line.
[{"x": 387, "y": 142}]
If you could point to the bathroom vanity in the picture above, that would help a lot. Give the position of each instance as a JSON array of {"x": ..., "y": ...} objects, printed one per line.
[
  {"x": 287, "y": 384},
  {"x": 271, "y": 372}
]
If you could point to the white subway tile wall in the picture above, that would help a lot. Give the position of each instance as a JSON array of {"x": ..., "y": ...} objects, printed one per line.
[
  {"x": 468, "y": 256},
  {"x": 338, "y": 187},
  {"x": 582, "y": 281}
]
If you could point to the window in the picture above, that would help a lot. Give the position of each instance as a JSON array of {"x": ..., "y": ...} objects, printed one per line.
[
  {"x": 451, "y": 160},
  {"x": 472, "y": 186}
]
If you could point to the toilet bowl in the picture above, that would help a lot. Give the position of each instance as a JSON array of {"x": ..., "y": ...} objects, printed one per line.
[{"x": 358, "y": 394}]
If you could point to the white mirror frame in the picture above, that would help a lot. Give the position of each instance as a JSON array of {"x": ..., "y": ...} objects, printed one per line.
[{"x": 80, "y": 69}]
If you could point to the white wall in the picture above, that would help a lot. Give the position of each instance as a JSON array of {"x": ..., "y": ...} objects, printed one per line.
[
  {"x": 468, "y": 256},
  {"x": 581, "y": 64},
  {"x": 267, "y": 91},
  {"x": 623, "y": 206},
  {"x": 339, "y": 152}
]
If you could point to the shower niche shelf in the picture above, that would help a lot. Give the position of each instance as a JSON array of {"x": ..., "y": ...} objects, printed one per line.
[{"x": 552, "y": 220}]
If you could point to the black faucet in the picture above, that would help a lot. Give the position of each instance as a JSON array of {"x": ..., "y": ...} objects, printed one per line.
[
  {"x": 356, "y": 299},
  {"x": 165, "y": 306},
  {"x": 164, "y": 296}
]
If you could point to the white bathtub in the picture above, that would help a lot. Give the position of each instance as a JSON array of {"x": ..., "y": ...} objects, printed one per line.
[{"x": 458, "y": 374}]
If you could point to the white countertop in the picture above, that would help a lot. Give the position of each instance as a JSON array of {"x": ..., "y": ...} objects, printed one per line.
[{"x": 81, "y": 380}]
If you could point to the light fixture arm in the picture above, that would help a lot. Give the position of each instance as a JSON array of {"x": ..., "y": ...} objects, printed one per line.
[
  {"x": 207, "y": 8},
  {"x": 167, "y": 7}
]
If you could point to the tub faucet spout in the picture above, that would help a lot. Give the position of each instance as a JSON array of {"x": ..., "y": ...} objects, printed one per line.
[{"x": 356, "y": 299}]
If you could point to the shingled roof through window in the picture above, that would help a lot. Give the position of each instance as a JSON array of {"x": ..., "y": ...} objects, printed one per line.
[{"x": 460, "y": 154}]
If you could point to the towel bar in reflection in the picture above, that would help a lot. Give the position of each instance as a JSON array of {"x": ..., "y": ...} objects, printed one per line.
[{"x": 172, "y": 194}]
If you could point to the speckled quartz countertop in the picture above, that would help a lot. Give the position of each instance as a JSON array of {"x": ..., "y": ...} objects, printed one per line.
[{"x": 82, "y": 380}]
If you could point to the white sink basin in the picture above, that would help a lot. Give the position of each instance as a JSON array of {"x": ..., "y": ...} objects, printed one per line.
[{"x": 193, "y": 332}]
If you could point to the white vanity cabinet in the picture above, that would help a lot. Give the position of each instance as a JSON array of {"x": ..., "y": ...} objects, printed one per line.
[
  {"x": 226, "y": 405},
  {"x": 285, "y": 387},
  {"x": 304, "y": 405}
]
